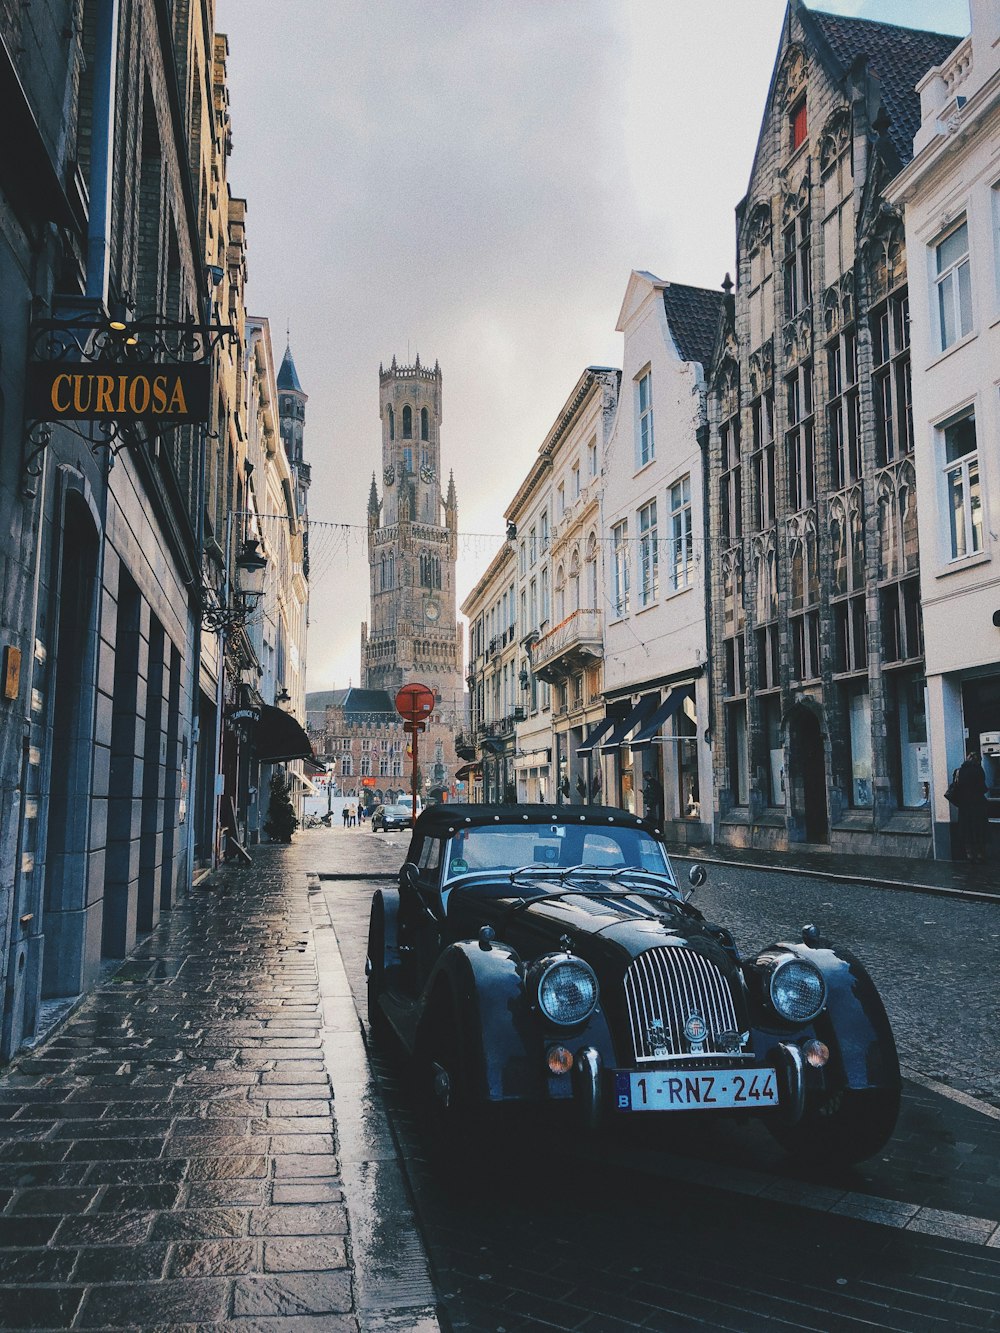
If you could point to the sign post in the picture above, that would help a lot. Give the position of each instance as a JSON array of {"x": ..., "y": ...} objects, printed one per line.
[{"x": 414, "y": 704}]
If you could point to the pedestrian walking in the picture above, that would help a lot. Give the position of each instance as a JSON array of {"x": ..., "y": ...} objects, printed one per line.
[
  {"x": 973, "y": 820},
  {"x": 346, "y": 813},
  {"x": 352, "y": 821}
]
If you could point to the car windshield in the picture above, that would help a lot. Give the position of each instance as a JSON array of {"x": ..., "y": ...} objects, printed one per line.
[
  {"x": 506, "y": 847},
  {"x": 399, "y": 811}
]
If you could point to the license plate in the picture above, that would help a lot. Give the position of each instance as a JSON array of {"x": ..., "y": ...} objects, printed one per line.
[{"x": 661, "y": 1090}]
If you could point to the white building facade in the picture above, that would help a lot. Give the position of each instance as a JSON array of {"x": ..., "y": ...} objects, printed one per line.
[
  {"x": 654, "y": 745},
  {"x": 556, "y": 519},
  {"x": 950, "y": 193}
]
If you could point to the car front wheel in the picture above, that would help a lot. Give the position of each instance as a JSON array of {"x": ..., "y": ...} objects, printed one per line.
[{"x": 841, "y": 1129}]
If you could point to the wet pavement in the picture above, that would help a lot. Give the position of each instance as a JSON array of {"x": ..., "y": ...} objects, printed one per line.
[
  {"x": 719, "y": 1231},
  {"x": 194, "y": 1147},
  {"x": 207, "y": 1143}
]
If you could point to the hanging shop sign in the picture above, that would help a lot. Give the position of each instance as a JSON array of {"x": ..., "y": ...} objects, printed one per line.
[{"x": 111, "y": 391}]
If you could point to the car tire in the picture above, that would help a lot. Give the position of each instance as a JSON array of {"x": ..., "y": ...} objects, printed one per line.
[
  {"x": 378, "y": 1024},
  {"x": 844, "y": 1128}
]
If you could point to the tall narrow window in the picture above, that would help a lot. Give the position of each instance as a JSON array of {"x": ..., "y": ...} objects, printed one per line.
[
  {"x": 644, "y": 400},
  {"x": 798, "y": 285},
  {"x": 961, "y": 471},
  {"x": 798, "y": 124},
  {"x": 392, "y": 424},
  {"x": 424, "y": 424},
  {"x": 407, "y": 422},
  {"x": 649, "y": 569},
  {"x": 543, "y": 531},
  {"x": 838, "y": 211},
  {"x": 890, "y": 325},
  {"x": 619, "y": 537},
  {"x": 954, "y": 285},
  {"x": 681, "y": 535},
  {"x": 764, "y": 499},
  {"x": 844, "y": 409},
  {"x": 731, "y": 480},
  {"x": 800, "y": 452}
]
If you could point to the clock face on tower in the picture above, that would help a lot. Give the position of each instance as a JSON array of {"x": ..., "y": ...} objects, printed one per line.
[
  {"x": 389, "y": 475},
  {"x": 427, "y": 472},
  {"x": 432, "y": 610}
]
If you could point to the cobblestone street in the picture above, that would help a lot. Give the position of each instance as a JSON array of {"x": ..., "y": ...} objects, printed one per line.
[
  {"x": 170, "y": 1158},
  {"x": 204, "y": 1144}
]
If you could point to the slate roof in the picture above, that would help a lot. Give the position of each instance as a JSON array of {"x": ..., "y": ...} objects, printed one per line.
[
  {"x": 288, "y": 376},
  {"x": 693, "y": 316},
  {"x": 354, "y": 701},
  {"x": 899, "y": 56}
]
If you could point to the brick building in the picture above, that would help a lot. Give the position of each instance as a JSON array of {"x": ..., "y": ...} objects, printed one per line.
[{"x": 819, "y": 729}]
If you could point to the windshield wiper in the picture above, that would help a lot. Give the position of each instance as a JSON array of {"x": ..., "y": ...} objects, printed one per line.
[
  {"x": 640, "y": 873},
  {"x": 538, "y": 866}
]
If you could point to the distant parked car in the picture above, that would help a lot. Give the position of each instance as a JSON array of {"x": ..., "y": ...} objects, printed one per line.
[
  {"x": 547, "y": 955},
  {"x": 388, "y": 818}
]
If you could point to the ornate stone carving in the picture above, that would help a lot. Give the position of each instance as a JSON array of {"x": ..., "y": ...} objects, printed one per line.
[
  {"x": 792, "y": 76},
  {"x": 885, "y": 254},
  {"x": 838, "y": 305},
  {"x": 761, "y": 369},
  {"x": 758, "y": 228},
  {"x": 796, "y": 337},
  {"x": 836, "y": 137}
]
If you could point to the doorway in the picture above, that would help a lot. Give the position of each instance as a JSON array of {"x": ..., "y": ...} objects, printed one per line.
[{"x": 807, "y": 774}]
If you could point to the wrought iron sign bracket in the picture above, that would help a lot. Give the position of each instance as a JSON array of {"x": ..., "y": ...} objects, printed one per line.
[{"x": 115, "y": 382}]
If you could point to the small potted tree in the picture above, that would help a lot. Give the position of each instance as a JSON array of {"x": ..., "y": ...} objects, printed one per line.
[{"x": 281, "y": 822}]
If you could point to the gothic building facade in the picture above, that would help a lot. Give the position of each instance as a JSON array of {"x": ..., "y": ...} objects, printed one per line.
[{"x": 819, "y": 725}]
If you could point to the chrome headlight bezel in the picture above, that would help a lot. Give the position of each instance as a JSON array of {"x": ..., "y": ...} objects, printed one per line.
[
  {"x": 779, "y": 967},
  {"x": 542, "y": 975}
]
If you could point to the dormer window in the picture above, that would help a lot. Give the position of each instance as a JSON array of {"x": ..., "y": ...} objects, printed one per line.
[{"x": 797, "y": 122}]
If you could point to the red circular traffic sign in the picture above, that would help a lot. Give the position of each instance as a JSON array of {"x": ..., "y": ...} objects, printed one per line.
[{"x": 415, "y": 702}]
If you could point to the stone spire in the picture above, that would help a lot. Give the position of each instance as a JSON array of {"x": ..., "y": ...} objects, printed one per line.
[{"x": 373, "y": 504}]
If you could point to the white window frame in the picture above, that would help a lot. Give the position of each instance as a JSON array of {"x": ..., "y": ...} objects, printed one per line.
[
  {"x": 681, "y": 534},
  {"x": 645, "y": 444},
  {"x": 574, "y": 473},
  {"x": 620, "y": 588},
  {"x": 592, "y": 454},
  {"x": 649, "y": 554},
  {"x": 964, "y": 474},
  {"x": 948, "y": 287}
]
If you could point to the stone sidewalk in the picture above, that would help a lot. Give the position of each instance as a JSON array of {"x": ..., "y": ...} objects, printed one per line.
[
  {"x": 200, "y": 1144},
  {"x": 961, "y": 879}
]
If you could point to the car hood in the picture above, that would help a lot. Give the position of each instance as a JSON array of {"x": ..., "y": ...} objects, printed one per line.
[{"x": 592, "y": 922}]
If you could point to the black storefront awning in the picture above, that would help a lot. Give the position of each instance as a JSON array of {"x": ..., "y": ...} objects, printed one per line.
[
  {"x": 601, "y": 729},
  {"x": 468, "y": 771},
  {"x": 278, "y": 737},
  {"x": 639, "y": 714},
  {"x": 666, "y": 710}
]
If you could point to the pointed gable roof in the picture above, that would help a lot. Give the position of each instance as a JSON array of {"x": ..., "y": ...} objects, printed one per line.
[
  {"x": 288, "y": 376},
  {"x": 898, "y": 56},
  {"x": 693, "y": 316}
]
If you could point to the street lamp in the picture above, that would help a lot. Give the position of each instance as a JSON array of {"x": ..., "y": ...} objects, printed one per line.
[{"x": 250, "y": 566}]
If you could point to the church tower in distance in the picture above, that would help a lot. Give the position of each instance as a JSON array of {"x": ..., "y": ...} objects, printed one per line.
[{"x": 413, "y": 634}]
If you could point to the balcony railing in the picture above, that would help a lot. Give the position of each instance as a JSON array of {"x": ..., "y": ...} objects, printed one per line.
[{"x": 575, "y": 642}]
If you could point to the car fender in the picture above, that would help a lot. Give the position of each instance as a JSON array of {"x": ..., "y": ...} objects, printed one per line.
[
  {"x": 385, "y": 905},
  {"x": 853, "y": 1023},
  {"x": 482, "y": 992}
]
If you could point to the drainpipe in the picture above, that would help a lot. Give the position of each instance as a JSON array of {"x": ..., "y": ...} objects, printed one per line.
[{"x": 102, "y": 150}]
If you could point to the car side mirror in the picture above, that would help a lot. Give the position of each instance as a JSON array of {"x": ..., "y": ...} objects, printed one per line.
[
  {"x": 409, "y": 875},
  {"x": 697, "y": 875}
]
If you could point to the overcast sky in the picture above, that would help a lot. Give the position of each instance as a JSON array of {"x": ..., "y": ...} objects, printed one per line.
[{"x": 475, "y": 181}]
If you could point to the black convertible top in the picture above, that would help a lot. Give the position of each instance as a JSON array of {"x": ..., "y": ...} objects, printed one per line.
[{"x": 436, "y": 820}]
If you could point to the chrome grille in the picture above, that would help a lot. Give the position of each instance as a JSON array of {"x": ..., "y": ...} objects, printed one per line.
[{"x": 663, "y": 988}]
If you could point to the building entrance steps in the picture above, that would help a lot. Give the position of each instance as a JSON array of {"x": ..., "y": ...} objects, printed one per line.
[{"x": 200, "y": 1143}]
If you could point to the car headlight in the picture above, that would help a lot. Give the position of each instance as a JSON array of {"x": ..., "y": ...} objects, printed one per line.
[
  {"x": 567, "y": 990},
  {"x": 798, "y": 991}
]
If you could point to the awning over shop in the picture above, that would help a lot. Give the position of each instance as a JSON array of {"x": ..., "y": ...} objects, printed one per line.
[
  {"x": 279, "y": 738},
  {"x": 312, "y": 769},
  {"x": 639, "y": 714},
  {"x": 308, "y": 787},
  {"x": 601, "y": 729},
  {"x": 666, "y": 710},
  {"x": 468, "y": 771}
]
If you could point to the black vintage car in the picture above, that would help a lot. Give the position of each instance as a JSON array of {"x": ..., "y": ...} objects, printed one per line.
[{"x": 547, "y": 955}]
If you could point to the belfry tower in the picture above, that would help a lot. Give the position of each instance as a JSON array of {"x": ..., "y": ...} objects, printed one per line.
[{"x": 413, "y": 633}]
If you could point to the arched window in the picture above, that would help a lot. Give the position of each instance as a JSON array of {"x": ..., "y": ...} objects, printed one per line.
[
  {"x": 560, "y": 594},
  {"x": 392, "y": 424},
  {"x": 346, "y": 766},
  {"x": 592, "y": 571},
  {"x": 424, "y": 424},
  {"x": 382, "y": 582},
  {"x": 407, "y": 422}
]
